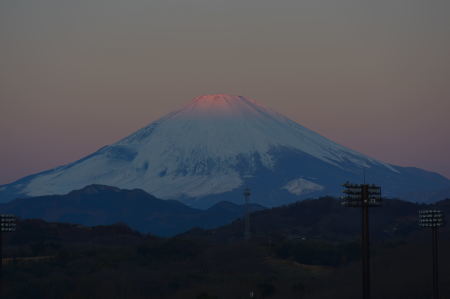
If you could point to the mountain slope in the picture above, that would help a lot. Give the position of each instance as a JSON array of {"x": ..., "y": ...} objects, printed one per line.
[{"x": 214, "y": 146}]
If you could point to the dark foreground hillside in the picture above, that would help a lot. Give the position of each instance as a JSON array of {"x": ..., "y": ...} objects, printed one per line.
[
  {"x": 326, "y": 219},
  {"x": 54, "y": 260}
]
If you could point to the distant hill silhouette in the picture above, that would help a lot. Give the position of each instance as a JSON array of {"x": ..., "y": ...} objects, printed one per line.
[
  {"x": 102, "y": 205},
  {"x": 322, "y": 218}
]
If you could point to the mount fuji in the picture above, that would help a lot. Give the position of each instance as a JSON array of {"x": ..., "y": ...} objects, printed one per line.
[{"x": 216, "y": 145}]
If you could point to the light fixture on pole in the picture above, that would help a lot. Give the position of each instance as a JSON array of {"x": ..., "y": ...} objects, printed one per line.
[
  {"x": 363, "y": 196},
  {"x": 7, "y": 224},
  {"x": 433, "y": 219}
]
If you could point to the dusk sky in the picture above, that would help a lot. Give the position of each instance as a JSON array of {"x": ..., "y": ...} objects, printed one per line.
[{"x": 78, "y": 75}]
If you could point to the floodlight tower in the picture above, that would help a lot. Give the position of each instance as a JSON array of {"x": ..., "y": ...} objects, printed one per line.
[
  {"x": 433, "y": 219},
  {"x": 363, "y": 196},
  {"x": 8, "y": 224},
  {"x": 247, "y": 194}
]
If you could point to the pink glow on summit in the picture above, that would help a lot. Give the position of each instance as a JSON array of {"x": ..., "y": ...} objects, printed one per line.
[
  {"x": 222, "y": 104},
  {"x": 220, "y": 100}
]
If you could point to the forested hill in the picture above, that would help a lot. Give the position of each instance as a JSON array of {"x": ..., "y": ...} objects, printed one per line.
[{"x": 326, "y": 219}]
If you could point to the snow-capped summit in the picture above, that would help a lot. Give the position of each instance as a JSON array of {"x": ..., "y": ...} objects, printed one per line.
[
  {"x": 213, "y": 146},
  {"x": 222, "y": 126}
]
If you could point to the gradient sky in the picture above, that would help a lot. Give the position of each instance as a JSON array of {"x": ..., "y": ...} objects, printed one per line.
[{"x": 77, "y": 75}]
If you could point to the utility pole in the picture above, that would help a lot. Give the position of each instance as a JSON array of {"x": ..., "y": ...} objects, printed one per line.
[
  {"x": 247, "y": 194},
  {"x": 433, "y": 219},
  {"x": 363, "y": 196},
  {"x": 8, "y": 224}
]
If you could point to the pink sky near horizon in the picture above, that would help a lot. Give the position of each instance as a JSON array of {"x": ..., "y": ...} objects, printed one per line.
[{"x": 78, "y": 75}]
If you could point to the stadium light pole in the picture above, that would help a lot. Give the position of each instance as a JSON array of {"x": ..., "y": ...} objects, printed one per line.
[
  {"x": 363, "y": 196},
  {"x": 8, "y": 224},
  {"x": 433, "y": 219}
]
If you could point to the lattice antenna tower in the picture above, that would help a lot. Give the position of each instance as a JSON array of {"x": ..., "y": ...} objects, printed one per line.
[{"x": 247, "y": 194}]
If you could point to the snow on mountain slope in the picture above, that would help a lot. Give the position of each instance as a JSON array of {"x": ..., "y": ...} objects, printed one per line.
[
  {"x": 210, "y": 146},
  {"x": 220, "y": 126}
]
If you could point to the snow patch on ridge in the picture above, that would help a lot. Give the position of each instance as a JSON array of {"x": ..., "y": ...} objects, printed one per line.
[{"x": 301, "y": 186}]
